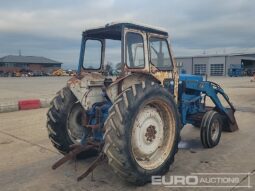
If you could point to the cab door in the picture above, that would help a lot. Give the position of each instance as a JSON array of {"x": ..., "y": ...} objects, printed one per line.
[{"x": 135, "y": 51}]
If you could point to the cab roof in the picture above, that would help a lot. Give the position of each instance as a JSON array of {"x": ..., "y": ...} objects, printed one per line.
[{"x": 113, "y": 30}]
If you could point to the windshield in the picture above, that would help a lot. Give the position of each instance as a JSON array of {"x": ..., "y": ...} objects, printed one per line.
[
  {"x": 159, "y": 54},
  {"x": 92, "y": 54}
]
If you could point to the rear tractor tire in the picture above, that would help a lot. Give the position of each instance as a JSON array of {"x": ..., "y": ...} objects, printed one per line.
[
  {"x": 210, "y": 129},
  {"x": 142, "y": 133},
  {"x": 64, "y": 122}
]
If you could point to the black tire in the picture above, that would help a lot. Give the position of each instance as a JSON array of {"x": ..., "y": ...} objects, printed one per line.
[
  {"x": 119, "y": 126},
  {"x": 57, "y": 122},
  {"x": 211, "y": 137}
]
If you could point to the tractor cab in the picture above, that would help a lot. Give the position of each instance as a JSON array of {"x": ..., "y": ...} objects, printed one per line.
[{"x": 143, "y": 49}]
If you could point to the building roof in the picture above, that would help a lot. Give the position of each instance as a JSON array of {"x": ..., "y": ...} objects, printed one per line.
[
  {"x": 113, "y": 30},
  {"x": 27, "y": 60},
  {"x": 218, "y": 55}
]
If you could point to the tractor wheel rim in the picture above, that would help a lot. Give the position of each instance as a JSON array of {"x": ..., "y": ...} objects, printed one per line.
[
  {"x": 75, "y": 130},
  {"x": 215, "y": 129},
  {"x": 153, "y": 134}
]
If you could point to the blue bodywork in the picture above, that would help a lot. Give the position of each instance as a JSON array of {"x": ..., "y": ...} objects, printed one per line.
[
  {"x": 191, "y": 102},
  {"x": 192, "y": 91},
  {"x": 93, "y": 116}
]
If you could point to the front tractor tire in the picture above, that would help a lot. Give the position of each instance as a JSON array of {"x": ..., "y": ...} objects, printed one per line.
[
  {"x": 211, "y": 128},
  {"x": 142, "y": 133},
  {"x": 64, "y": 122}
]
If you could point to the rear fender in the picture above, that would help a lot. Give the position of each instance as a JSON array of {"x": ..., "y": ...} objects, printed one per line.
[
  {"x": 123, "y": 83},
  {"x": 87, "y": 88}
]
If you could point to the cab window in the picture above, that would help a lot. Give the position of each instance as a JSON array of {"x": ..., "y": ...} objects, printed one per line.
[
  {"x": 92, "y": 54},
  {"x": 159, "y": 54}
]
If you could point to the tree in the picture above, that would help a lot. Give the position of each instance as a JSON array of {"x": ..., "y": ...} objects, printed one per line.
[{"x": 108, "y": 68}]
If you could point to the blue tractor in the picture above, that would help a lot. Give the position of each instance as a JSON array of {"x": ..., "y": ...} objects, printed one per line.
[{"x": 133, "y": 120}]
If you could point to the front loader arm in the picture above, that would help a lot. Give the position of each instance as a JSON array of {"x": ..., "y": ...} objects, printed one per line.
[{"x": 211, "y": 90}]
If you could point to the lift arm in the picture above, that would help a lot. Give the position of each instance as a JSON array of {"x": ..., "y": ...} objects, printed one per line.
[{"x": 211, "y": 90}]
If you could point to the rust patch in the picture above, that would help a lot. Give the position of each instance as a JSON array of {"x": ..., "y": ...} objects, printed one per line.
[
  {"x": 73, "y": 81},
  {"x": 151, "y": 133}
]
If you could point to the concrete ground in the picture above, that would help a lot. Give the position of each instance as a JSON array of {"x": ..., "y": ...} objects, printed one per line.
[
  {"x": 15, "y": 88},
  {"x": 27, "y": 154}
]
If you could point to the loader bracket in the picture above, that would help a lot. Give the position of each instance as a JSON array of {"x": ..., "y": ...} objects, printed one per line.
[{"x": 230, "y": 126}]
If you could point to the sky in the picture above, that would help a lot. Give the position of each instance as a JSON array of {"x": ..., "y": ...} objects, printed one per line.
[{"x": 53, "y": 28}]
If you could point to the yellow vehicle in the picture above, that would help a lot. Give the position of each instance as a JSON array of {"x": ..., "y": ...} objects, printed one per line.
[
  {"x": 59, "y": 72},
  {"x": 17, "y": 74}
]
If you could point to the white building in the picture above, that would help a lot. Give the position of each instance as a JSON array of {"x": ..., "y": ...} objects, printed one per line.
[{"x": 217, "y": 65}]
